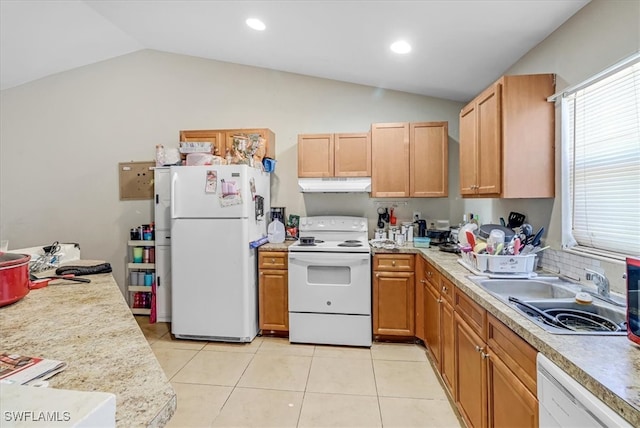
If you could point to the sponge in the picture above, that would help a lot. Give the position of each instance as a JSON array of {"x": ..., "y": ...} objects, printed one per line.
[{"x": 583, "y": 298}]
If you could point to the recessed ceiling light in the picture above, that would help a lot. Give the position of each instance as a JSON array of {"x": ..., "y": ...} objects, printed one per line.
[
  {"x": 401, "y": 47},
  {"x": 256, "y": 24}
]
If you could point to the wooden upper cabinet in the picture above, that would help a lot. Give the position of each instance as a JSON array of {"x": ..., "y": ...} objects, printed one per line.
[
  {"x": 216, "y": 138},
  {"x": 315, "y": 155},
  {"x": 390, "y": 160},
  {"x": 506, "y": 131},
  {"x": 429, "y": 156},
  {"x": 352, "y": 155},
  {"x": 222, "y": 139},
  {"x": 334, "y": 155},
  {"x": 410, "y": 160},
  {"x": 468, "y": 157}
]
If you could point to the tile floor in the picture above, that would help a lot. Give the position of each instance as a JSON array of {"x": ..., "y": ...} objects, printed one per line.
[{"x": 272, "y": 383}]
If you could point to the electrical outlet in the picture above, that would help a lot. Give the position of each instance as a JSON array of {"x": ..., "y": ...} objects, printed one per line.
[{"x": 416, "y": 215}]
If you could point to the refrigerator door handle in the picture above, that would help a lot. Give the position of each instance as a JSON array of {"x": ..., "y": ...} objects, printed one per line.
[{"x": 174, "y": 179}]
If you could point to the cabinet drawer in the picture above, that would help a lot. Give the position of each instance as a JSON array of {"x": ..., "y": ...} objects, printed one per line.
[
  {"x": 447, "y": 289},
  {"x": 394, "y": 262},
  {"x": 273, "y": 260},
  {"x": 431, "y": 274},
  {"x": 515, "y": 353},
  {"x": 474, "y": 314}
]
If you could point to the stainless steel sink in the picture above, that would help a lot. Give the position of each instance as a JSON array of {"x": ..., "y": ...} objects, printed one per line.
[
  {"x": 526, "y": 289},
  {"x": 549, "y": 294}
]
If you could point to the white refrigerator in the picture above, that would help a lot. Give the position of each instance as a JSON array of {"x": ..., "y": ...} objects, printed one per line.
[{"x": 216, "y": 211}]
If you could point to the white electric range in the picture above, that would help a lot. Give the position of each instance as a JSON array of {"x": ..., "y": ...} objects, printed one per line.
[{"x": 330, "y": 282}]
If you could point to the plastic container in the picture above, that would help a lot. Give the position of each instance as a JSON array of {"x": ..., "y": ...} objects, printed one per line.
[
  {"x": 276, "y": 232},
  {"x": 421, "y": 241},
  {"x": 137, "y": 254},
  {"x": 269, "y": 164}
]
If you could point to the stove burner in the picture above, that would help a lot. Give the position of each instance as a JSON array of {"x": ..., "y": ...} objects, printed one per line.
[{"x": 302, "y": 243}]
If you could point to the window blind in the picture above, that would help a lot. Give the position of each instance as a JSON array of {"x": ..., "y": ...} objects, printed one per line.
[{"x": 603, "y": 128}]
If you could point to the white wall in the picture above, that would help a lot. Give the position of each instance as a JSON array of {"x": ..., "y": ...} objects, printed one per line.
[{"x": 61, "y": 139}]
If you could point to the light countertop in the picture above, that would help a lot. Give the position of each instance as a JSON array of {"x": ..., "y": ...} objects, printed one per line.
[{"x": 91, "y": 328}]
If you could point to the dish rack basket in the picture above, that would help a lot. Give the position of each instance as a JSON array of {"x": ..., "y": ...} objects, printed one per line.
[{"x": 500, "y": 264}]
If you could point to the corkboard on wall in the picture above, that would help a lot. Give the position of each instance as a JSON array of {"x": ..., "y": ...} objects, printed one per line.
[{"x": 136, "y": 180}]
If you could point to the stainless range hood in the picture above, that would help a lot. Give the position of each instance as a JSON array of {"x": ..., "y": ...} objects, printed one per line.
[{"x": 335, "y": 184}]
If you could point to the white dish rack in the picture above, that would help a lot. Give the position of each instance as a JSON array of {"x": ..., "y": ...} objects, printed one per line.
[{"x": 505, "y": 266}]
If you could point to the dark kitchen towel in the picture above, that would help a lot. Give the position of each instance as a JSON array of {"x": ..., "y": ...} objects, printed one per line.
[{"x": 84, "y": 270}]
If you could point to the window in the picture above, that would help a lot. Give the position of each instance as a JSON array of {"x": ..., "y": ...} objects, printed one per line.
[{"x": 601, "y": 163}]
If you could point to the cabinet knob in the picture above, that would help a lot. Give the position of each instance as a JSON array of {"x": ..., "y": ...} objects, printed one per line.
[
  {"x": 393, "y": 262},
  {"x": 273, "y": 260},
  {"x": 439, "y": 300},
  {"x": 423, "y": 281},
  {"x": 261, "y": 273},
  {"x": 377, "y": 275},
  {"x": 479, "y": 348},
  {"x": 484, "y": 355},
  {"x": 444, "y": 288},
  {"x": 429, "y": 274}
]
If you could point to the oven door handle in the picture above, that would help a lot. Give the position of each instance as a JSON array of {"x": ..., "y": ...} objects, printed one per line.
[{"x": 330, "y": 260}]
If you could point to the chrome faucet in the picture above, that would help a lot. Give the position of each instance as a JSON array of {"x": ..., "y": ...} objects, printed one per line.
[{"x": 601, "y": 282}]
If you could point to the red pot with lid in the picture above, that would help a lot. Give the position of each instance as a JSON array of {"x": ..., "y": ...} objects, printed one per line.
[{"x": 14, "y": 277}]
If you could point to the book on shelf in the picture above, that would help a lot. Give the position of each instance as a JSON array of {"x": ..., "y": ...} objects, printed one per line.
[{"x": 22, "y": 370}]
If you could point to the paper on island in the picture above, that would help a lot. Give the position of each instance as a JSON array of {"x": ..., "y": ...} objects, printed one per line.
[{"x": 21, "y": 370}]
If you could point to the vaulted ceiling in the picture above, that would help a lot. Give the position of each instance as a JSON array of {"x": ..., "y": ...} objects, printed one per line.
[{"x": 458, "y": 46}]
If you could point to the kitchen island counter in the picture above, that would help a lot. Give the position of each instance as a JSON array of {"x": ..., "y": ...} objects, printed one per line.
[{"x": 91, "y": 328}]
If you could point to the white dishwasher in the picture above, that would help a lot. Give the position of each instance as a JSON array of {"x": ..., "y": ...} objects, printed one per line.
[{"x": 563, "y": 402}]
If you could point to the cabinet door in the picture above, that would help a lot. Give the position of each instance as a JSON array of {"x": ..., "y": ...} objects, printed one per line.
[
  {"x": 421, "y": 280},
  {"x": 163, "y": 283},
  {"x": 215, "y": 137},
  {"x": 274, "y": 300},
  {"x": 315, "y": 155},
  {"x": 162, "y": 207},
  {"x": 510, "y": 403},
  {"x": 393, "y": 303},
  {"x": 468, "y": 155},
  {"x": 352, "y": 155},
  {"x": 489, "y": 123},
  {"x": 429, "y": 159},
  {"x": 432, "y": 305},
  {"x": 390, "y": 160},
  {"x": 447, "y": 364},
  {"x": 471, "y": 375}
]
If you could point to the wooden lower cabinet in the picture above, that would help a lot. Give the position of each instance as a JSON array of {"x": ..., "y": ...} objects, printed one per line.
[
  {"x": 471, "y": 374},
  {"x": 510, "y": 403},
  {"x": 393, "y": 295},
  {"x": 495, "y": 380},
  {"x": 273, "y": 292},
  {"x": 511, "y": 378},
  {"x": 447, "y": 366}
]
